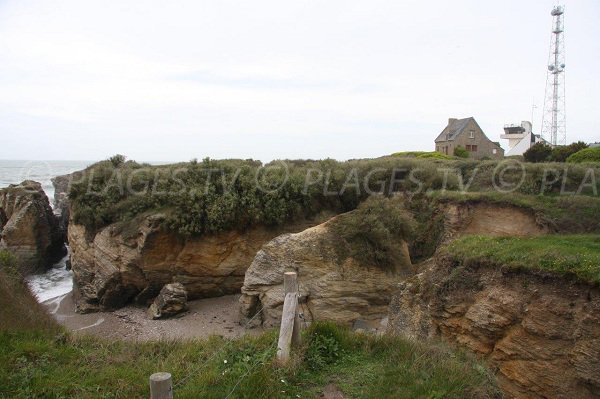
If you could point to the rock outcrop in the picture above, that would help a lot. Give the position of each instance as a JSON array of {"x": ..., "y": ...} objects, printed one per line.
[
  {"x": 331, "y": 288},
  {"x": 171, "y": 301},
  {"x": 62, "y": 185},
  {"x": 124, "y": 263},
  {"x": 28, "y": 227},
  {"x": 540, "y": 332}
]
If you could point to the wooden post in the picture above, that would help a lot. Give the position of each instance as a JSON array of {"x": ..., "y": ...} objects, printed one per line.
[
  {"x": 289, "y": 333},
  {"x": 290, "y": 285},
  {"x": 287, "y": 327},
  {"x": 290, "y": 282},
  {"x": 161, "y": 386}
]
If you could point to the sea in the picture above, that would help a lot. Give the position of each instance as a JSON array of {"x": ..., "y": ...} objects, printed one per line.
[{"x": 56, "y": 281}]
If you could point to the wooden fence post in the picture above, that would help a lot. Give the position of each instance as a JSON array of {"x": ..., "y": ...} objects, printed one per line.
[
  {"x": 289, "y": 332},
  {"x": 161, "y": 386}
]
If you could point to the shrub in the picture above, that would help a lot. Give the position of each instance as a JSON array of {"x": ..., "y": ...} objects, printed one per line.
[
  {"x": 461, "y": 152},
  {"x": 562, "y": 152},
  {"x": 371, "y": 233},
  {"x": 117, "y": 160},
  {"x": 586, "y": 155},
  {"x": 539, "y": 152}
]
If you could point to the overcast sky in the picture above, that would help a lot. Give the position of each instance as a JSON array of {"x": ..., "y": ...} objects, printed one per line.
[{"x": 176, "y": 80}]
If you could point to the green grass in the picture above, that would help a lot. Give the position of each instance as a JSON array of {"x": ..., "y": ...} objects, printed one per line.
[
  {"x": 570, "y": 255},
  {"x": 38, "y": 359},
  {"x": 33, "y": 365},
  {"x": 220, "y": 195},
  {"x": 585, "y": 155}
]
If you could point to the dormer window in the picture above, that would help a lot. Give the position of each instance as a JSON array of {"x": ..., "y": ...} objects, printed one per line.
[{"x": 472, "y": 134}]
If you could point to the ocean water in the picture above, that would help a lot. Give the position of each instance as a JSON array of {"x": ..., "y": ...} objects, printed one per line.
[{"x": 57, "y": 280}]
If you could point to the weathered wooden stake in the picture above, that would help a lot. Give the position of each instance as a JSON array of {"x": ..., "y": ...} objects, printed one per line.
[
  {"x": 287, "y": 327},
  {"x": 289, "y": 333},
  {"x": 161, "y": 386},
  {"x": 290, "y": 282}
]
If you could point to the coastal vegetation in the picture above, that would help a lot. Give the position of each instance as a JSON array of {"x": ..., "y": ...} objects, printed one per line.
[
  {"x": 566, "y": 255},
  {"x": 19, "y": 309},
  {"x": 586, "y": 155},
  {"x": 370, "y": 234},
  {"x": 212, "y": 196}
]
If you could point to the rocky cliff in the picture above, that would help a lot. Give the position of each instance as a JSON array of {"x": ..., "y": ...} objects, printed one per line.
[
  {"x": 540, "y": 332},
  {"x": 119, "y": 264},
  {"x": 331, "y": 287},
  {"x": 62, "y": 185},
  {"x": 28, "y": 227}
]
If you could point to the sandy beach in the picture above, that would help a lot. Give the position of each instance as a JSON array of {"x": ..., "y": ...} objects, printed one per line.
[{"x": 205, "y": 317}]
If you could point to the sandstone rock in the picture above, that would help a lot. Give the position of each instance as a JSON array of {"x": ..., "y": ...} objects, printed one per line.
[
  {"x": 121, "y": 263},
  {"x": 171, "y": 301},
  {"x": 28, "y": 227},
  {"x": 330, "y": 288},
  {"x": 542, "y": 334},
  {"x": 62, "y": 185}
]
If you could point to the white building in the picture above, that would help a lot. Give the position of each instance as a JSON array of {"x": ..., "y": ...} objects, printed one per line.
[{"x": 520, "y": 138}]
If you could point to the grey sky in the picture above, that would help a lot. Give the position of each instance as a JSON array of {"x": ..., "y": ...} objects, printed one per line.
[{"x": 175, "y": 80}]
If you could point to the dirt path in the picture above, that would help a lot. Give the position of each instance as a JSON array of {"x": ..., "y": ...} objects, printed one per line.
[{"x": 206, "y": 317}]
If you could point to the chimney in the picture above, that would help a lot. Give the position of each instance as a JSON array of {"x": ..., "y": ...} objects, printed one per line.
[{"x": 451, "y": 121}]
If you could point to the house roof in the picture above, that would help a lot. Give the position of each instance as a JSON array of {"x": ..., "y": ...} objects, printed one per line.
[{"x": 454, "y": 129}]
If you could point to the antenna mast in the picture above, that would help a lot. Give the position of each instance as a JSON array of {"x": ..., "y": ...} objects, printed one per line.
[{"x": 554, "y": 120}]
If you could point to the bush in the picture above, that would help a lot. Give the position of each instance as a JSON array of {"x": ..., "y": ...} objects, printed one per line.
[
  {"x": 372, "y": 232},
  {"x": 586, "y": 155},
  {"x": 562, "y": 152},
  {"x": 117, "y": 160},
  {"x": 461, "y": 152},
  {"x": 539, "y": 152},
  {"x": 195, "y": 201}
]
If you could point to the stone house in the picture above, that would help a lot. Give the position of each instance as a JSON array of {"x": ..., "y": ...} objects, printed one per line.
[{"x": 467, "y": 134}]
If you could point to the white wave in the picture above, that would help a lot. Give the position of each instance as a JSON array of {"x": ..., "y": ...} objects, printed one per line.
[{"x": 53, "y": 283}]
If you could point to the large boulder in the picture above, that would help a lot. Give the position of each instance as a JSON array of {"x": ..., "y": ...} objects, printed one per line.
[
  {"x": 28, "y": 227},
  {"x": 171, "y": 301},
  {"x": 331, "y": 287},
  {"x": 131, "y": 262}
]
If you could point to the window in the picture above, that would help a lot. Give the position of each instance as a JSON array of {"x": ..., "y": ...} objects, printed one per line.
[
  {"x": 472, "y": 134},
  {"x": 494, "y": 151},
  {"x": 471, "y": 148}
]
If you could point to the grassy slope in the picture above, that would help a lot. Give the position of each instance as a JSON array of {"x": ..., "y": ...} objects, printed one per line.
[
  {"x": 19, "y": 310},
  {"x": 577, "y": 255},
  {"x": 33, "y": 365},
  {"x": 40, "y": 360}
]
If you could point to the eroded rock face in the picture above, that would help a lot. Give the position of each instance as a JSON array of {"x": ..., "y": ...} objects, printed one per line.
[
  {"x": 62, "y": 185},
  {"x": 171, "y": 301},
  {"x": 541, "y": 332},
  {"x": 132, "y": 263},
  {"x": 330, "y": 288},
  {"x": 28, "y": 227}
]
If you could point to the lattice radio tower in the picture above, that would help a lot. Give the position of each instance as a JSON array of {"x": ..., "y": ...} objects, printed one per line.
[{"x": 554, "y": 119}]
